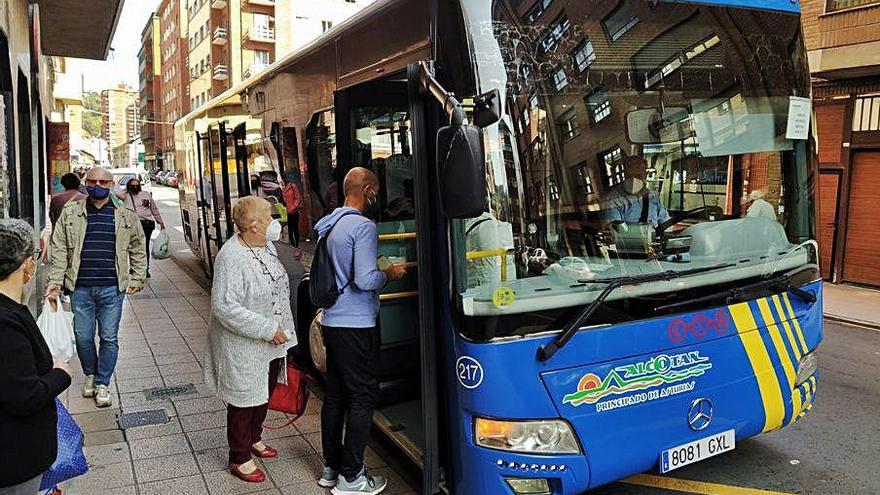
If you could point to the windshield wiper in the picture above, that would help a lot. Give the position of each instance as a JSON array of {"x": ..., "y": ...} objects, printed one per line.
[
  {"x": 546, "y": 352},
  {"x": 782, "y": 282}
]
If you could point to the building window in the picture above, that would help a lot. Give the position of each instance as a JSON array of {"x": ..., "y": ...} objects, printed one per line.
[
  {"x": 583, "y": 184},
  {"x": 583, "y": 55},
  {"x": 552, "y": 190},
  {"x": 326, "y": 26},
  {"x": 568, "y": 125},
  {"x": 612, "y": 163},
  {"x": 559, "y": 81},
  {"x": 620, "y": 21},
  {"x": 526, "y": 118},
  {"x": 834, "y": 5},
  {"x": 554, "y": 33},
  {"x": 599, "y": 105},
  {"x": 536, "y": 11}
]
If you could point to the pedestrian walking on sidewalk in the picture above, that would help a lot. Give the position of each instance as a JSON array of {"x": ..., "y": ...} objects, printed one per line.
[
  {"x": 71, "y": 192},
  {"x": 351, "y": 337},
  {"x": 31, "y": 381},
  {"x": 250, "y": 330},
  {"x": 98, "y": 255},
  {"x": 142, "y": 203}
]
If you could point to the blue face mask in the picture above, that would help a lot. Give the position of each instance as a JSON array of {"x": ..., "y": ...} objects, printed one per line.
[{"x": 98, "y": 192}]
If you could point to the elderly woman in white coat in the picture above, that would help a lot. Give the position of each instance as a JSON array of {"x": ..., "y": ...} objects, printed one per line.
[{"x": 250, "y": 331}]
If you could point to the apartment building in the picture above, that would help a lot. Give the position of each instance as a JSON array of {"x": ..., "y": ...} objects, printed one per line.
[
  {"x": 120, "y": 118},
  {"x": 173, "y": 100},
  {"x": 150, "y": 88},
  {"x": 232, "y": 40},
  {"x": 843, "y": 43}
]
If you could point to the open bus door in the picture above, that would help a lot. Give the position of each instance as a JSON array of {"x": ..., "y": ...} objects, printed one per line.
[
  {"x": 381, "y": 126},
  {"x": 216, "y": 189}
]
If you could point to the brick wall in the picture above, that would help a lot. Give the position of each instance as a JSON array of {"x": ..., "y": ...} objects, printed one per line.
[{"x": 847, "y": 27}]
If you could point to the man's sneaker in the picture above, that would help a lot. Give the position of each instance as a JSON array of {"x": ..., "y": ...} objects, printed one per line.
[
  {"x": 102, "y": 396},
  {"x": 329, "y": 476},
  {"x": 364, "y": 484},
  {"x": 89, "y": 387}
]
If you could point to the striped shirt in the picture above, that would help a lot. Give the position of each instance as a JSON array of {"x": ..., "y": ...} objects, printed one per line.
[{"x": 97, "y": 266}]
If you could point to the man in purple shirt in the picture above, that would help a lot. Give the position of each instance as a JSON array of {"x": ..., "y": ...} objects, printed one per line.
[{"x": 71, "y": 193}]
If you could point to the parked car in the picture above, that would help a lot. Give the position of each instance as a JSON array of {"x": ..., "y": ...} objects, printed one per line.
[
  {"x": 121, "y": 176},
  {"x": 152, "y": 175},
  {"x": 171, "y": 179},
  {"x": 160, "y": 177}
]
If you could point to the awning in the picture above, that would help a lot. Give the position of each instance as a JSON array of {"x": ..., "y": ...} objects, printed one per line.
[{"x": 78, "y": 29}]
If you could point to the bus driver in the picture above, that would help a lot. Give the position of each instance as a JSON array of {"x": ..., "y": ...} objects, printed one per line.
[{"x": 632, "y": 202}]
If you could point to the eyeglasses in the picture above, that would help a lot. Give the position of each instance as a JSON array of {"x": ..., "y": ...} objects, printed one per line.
[{"x": 102, "y": 182}]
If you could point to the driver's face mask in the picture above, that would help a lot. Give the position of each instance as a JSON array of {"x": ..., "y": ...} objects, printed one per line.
[{"x": 633, "y": 185}]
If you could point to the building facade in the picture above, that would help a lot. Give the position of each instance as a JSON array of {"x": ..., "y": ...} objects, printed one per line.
[
  {"x": 120, "y": 119},
  {"x": 843, "y": 43},
  {"x": 150, "y": 89},
  {"x": 172, "y": 102}
]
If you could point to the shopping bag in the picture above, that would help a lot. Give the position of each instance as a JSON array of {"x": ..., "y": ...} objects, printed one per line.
[
  {"x": 161, "y": 246},
  {"x": 71, "y": 461},
  {"x": 291, "y": 397},
  {"x": 56, "y": 326}
]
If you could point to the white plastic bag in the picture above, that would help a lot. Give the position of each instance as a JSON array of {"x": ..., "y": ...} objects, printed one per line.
[
  {"x": 56, "y": 325},
  {"x": 161, "y": 246}
]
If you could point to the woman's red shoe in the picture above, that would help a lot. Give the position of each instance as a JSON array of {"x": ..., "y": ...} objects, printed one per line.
[
  {"x": 267, "y": 453},
  {"x": 257, "y": 476}
]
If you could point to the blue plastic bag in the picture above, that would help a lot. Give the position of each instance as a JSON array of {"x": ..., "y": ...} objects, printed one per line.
[{"x": 71, "y": 461}]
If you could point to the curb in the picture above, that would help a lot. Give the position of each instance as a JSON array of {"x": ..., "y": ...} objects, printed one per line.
[{"x": 849, "y": 321}]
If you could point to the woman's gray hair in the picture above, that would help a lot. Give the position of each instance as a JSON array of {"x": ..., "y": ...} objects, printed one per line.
[{"x": 16, "y": 245}]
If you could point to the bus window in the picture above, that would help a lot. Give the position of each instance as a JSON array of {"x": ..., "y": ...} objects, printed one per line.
[{"x": 321, "y": 159}]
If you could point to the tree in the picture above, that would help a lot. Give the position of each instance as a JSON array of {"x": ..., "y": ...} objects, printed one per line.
[{"x": 92, "y": 118}]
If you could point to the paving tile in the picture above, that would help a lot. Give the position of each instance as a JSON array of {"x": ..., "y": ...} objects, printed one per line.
[
  {"x": 290, "y": 447},
  {"x": 161, "y": 350},
  {"x": 106, "y": 437},
  {"x": 165, "y": 468},
  {"x": 122, "y": 490},
  {"x": 152, "y": 431},
  {"x": 203, "y": 421},
  {"x": 139, "y": 384},
  {"x": 207, "y": 439},
  {"x": 294, "y": 469},
  {"x": 132, "y": 400},
  {"x": 310, "y": 423},
  {"x": 223, "y": 483},
  {"x": 175, "y": 358},
  {"x": 137, "y": 362},
  {"x": 185, "y": 379},
  {"x": 304, "y": 488},
  {"x": 211, "y": 460},
  {"x": 107, "y": 454},
  {"x": 104, "y": 477},
  {"x": 191, "y": 485},
  {"x": 314, "y": 440},
  {"x": 287, "y": 431},
  {"x": 133, "y": 373},
  {"x": 158, "y": 446},
  {"x": 195, "y": 406},
  {"x": 179, "y": 368},
  {"x": 396, "y": 484},
  {"x": 104, "y": 419}
]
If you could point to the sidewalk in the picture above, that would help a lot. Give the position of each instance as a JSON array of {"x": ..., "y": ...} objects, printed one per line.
[
  {"x": 162, "y": 339},
  {"x": 850, "y": 304}
]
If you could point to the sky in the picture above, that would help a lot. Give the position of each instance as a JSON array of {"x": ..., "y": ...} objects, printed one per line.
[{"x": 121, "y": 65}]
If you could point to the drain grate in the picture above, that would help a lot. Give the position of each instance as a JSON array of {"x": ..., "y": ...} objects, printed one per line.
[
  {"x": 142, "y": 418},
  {"x": 160, "y": 393}
]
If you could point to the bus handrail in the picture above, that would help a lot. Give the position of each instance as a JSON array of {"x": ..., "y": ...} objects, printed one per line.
[{"x": 491, "y": 253}]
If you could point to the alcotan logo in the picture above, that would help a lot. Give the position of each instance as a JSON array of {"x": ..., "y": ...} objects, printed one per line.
[{"x": 656, "y": 371}]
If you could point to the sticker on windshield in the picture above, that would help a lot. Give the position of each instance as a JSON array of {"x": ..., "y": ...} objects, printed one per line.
[
  {"x": 469, "y": 371},
  {"x": 642, "y": 375},
  {"x": 503, "y": 296}
]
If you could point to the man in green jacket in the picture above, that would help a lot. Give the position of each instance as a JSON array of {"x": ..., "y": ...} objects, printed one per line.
[{"x": 98, "y": 255}]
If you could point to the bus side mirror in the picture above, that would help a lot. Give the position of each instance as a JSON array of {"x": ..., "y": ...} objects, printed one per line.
[{"x": 461, "y": 159}]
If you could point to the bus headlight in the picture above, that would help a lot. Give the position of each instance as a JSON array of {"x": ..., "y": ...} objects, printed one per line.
[
  {"x": 529, "y": 437},
  {"x": 806, "y": 367}
]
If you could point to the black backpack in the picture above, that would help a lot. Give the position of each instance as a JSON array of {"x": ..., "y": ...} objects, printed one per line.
[{"x": 323, "y": 289}]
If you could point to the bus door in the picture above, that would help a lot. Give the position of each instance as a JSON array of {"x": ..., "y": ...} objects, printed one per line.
[{"x": 374, "y": 130}]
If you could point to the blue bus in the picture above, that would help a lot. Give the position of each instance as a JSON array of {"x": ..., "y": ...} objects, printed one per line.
[{"x": 608, "y": 210}]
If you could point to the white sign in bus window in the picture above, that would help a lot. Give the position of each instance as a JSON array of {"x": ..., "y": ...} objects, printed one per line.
[{"x": 799, "y": 110}]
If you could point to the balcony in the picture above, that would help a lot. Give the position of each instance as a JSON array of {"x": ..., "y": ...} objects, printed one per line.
[
  {"x": 254, "y": 68},
  {"x": 221, "y": 72},
  {"x": 218, "y": 4},
  {"x": 221, "y": 36},
  {"x": 260, "y": 34},
  {"x": 261, "y": 3}
]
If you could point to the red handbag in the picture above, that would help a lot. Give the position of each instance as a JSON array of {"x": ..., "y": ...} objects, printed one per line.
[{"x": 290, "y": 398}]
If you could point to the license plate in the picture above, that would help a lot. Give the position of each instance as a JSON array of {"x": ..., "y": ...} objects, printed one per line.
[{"x": 697, "y": 450}]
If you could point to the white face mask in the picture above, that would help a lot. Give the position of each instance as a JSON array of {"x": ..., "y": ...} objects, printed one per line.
[
  {"x": 634, "y": 185},
  {"x": 273, "y": 231}
]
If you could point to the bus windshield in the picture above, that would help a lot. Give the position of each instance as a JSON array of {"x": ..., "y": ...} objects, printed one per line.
[{"x": 637, "y": 137}]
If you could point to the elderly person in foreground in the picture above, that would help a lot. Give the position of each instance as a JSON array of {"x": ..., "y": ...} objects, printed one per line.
[
  {"x": 250, "y": 331},
  {"x": 31, "y": 381}
]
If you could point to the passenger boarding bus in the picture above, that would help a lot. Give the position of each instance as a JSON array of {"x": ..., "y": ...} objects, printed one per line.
[{"x": 607, "y": 207}]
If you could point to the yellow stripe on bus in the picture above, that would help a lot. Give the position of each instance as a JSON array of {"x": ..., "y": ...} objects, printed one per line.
[
  {"x": 695, "y": 487},
  {"x": 768, "y": 385},
  {"x": 788, "y": 332},
  {"x": 776, "y": 337},
  {"x": 797, "y": 325}
]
